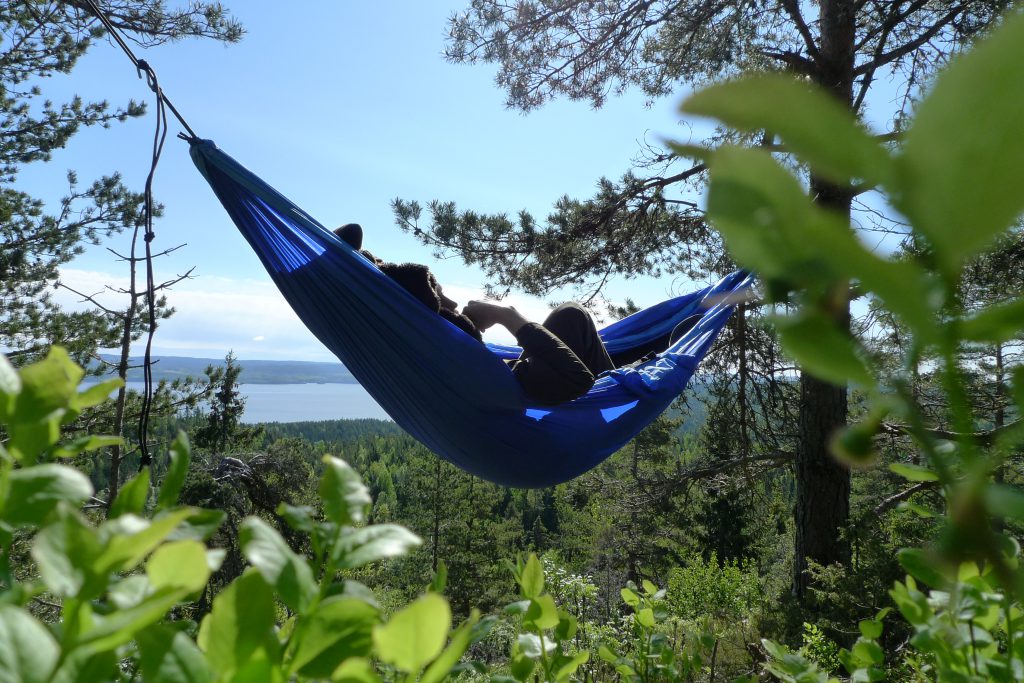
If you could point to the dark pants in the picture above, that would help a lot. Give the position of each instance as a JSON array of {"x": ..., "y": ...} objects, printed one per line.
[{"x": 562, "y": 357}]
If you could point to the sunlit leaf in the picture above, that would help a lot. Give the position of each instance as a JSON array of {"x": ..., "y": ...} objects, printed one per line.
[
  {"x": 283, "y": 569},
  {"x": 822, "y": 349},
  {"x": 181, "y": 564},
  {"x": 345, "y": 498},
  {"x": 913, "y": 472},
  {"x": 531, "y": 580},
  {"x": 240, "y": 622},
  {"x": 339, "y": 628},
  {"x": 963, "y": 158},
  {"x": 372, "y": 544},
  {"x": 28, "y": 653},
  {"x": 170, "y": 656},
  {"x": 811, "y": 124},
  {"x": 132, "y": 497},
  {"x": 415, "y": 635},
  {"x": 177, "y": 469},
  {"x": 35, "y": 491}
]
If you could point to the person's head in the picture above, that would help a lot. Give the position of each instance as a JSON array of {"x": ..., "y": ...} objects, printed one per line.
[
  {"x": 445, "y": 301},
  {"x": 351, "y": 234}
]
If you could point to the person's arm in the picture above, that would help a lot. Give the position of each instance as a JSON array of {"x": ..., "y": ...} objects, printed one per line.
[
  {"x": 484, "y": 314},
  {"x": 553, "y": 373}
]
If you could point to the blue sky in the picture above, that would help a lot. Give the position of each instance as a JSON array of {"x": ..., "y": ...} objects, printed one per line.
[{"x": 342, "y": 106}]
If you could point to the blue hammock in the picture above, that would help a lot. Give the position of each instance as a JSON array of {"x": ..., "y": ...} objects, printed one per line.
[{"x": 447, "y": 390}]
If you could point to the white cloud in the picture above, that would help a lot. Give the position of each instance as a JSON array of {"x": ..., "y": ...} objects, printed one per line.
[{"x": 216, "y": 314}]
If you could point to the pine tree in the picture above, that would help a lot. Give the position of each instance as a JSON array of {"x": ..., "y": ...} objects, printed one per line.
[
  {"x": 643, "y": 224},
  {"x": 40, "y": 38}
]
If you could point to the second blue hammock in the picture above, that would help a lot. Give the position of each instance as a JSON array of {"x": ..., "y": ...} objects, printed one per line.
[{"x": 453, "y": 394}]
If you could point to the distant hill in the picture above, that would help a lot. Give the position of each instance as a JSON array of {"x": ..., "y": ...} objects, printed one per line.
[{"x": 253, "y": 371}]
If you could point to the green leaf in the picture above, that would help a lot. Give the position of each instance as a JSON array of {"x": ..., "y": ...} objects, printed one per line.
[
  {"x": 35, "y": 491},
  {"x": 531, "y": 580},
  {"x": 28, "y": 653},
  {"x": 120, "y": 626},
  {"x": 855, "y": 444},
  {"x": 128, "y": 539},
  {"x": 542, "y": 612},
  {"x": 461, "y": 639},
  {"x": 130, "y": 591},
  {"x": 10, "y": 387},
  {"x": 822, "y": 349},
  {"x": 440, "y": 579},
  {"x": 85, "y": 444},
  {"x": 868, "y": 652},
  {"x": 240, "y": 622},
  {"x": 1005, "y": 501},
  {"x": 415, "y": 635},
  {"x": 918, "y": 510},
  {"x": 170, "y": 656},
  {"x": 870, "y": 628},
  {"x": 649, "y": 587},
  {"x": 181, "y": 564},
  {"x": 963, "y": 157},
  {"x": 174, "y": 479},
  {"x": 338, "y": 629},
  {"x": 645, "y": 617},
  {"x": 607, "y": 655},
  {"x": 355, "y": 670},
  {"x": 517, "y": 607},
  {"x": 922, "y": 567},
  {"x": 567, "y": 626},
  {"x": 46, "y": 387},
  {"x": 772, "y": 227},
  {"x": 96, "y": 394},
  {"x": 362, "y": 546},
  {"x": 531, "y": 645},
  {"x": 199, "y": 526},
  {"x": 629, "y": 597},
  {"x": 569, "y": 668},
  {"x": 282, "y": 568},
  {"x": 913, "y": 472},
  {"x": 298, "y": 517},
  {"x": 132, "y": 497},
  {"x": 65, "y": 551},
  {"x": 85, "y": 666},
  {"x": 811, "y": 123},
  {"x": 344, "y": 497},
  {"x": 521, "y": 667},
  {"x": 995, "y": 324}
]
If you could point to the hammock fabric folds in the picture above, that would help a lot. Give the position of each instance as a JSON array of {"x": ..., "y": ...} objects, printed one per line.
[{"x": 451, "y": 393}]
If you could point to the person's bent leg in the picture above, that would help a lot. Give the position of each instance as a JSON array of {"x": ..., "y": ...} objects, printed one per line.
[{"x": 571, "y": 323}]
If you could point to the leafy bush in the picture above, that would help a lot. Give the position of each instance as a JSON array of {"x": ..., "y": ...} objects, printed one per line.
[
  {"x": 707, "y": 588},
  {"x": 118, "y": 581},
  {"x": 956, "y": 179}
]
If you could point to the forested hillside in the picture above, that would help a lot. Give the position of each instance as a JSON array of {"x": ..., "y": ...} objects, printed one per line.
[{"x": 839, "y": 498}]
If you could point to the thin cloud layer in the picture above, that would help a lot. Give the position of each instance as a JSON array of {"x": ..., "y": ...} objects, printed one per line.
[{"x": 214, "y": 315}]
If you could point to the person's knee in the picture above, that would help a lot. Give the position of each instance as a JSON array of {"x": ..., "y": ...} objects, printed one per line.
[{"x": 570, "y": 313}]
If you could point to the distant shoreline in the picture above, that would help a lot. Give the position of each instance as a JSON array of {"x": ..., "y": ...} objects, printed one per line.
[{"x": 170, "y": 368}]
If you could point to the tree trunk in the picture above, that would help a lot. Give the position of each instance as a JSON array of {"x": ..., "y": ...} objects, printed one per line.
[{"x": 823, "y": 485}]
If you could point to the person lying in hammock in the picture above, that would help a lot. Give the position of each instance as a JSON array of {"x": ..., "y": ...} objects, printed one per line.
[{"x": 562, "y": 356}]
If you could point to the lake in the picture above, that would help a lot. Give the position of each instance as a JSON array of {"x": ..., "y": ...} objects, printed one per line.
[{"x": 304, "y": 402}]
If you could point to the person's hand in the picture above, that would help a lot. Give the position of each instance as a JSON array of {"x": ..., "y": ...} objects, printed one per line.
[{"x": 484, "y": 314}]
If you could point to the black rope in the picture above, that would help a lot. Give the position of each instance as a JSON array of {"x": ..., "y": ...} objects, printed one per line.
[
  {"x": 141, "y": 67},
  {"x": 159, "y": 137}
]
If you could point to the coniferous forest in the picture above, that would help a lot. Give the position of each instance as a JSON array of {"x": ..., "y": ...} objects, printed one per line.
[{"x": 837, "y": 496}]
